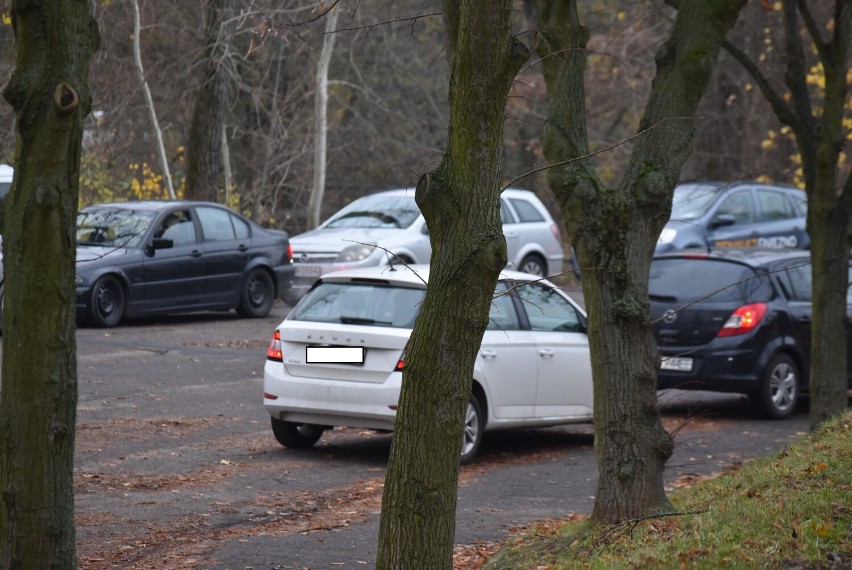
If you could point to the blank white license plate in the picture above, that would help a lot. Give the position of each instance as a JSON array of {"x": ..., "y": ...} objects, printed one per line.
[
  {"x": 676, "y": 363},
  {"x": 307, "y": 270},
  {"x": 334, "y": 354}
]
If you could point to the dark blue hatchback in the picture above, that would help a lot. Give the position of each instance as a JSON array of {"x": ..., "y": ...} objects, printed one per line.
[{"x": 735, "y": 321}]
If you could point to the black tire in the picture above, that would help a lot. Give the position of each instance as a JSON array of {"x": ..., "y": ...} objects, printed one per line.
[
  {"x": 779, "y": 389},
  {"x": 291, "y": 297},
  {"x": 534, "y": 264},
  {"x": 474, "y": 426},
  {"x": 295, "y": 436},
  {"x": 257, "y": 295},
  {"x": 106, "y": 302}
]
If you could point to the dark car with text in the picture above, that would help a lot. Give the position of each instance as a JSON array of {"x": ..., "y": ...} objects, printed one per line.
[
  {"x": 735, "y": 214},
  {"x": 735, "y": 321},
  {"x": 156, "y": 257}
]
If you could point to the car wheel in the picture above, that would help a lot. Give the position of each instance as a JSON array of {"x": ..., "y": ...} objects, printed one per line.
[
  {"x": 473, "y": 428},
  {"x": 295, "y": 436},
  {"x": 779, "y": 391},
  {"x": 106, "y": 302},
  {"x": 257, "y": 295},
  {"x": 291, "y": 297},
  {"x": 534, "y": 264}
]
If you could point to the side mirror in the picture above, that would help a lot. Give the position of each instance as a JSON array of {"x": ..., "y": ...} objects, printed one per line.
[
  {"x": 723, "y": 220},
  {"x": 161, "y": 243}
]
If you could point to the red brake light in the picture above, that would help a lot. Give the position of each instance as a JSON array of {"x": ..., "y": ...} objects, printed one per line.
[
  {"x": 274, "y": 350},
  {"x": 743, "y": 320},
  {"x": 400, "y": 365},
  {"x": 555, "y": 229},
  {"x": 290, "y": 251}
]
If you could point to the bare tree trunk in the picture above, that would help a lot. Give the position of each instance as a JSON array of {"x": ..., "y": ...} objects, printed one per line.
[
  {"x": 461, "y": 203},
  {"x": 204, "y": 153},
  {"x": 38, "y": 396},
  {"x": 149, "y": 101},
  {"x": 614, "y": 231},
  {"x": 321, "y": 120}
]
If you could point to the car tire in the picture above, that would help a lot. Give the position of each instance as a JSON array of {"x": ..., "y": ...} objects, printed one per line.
[
  {"x": 257, "y": 295},
  {"x": 779, "y": 389},
  {"x": 106, "y": 302},
  {"x": 291, "y": 297},
  {"x": 295, "y": 436},
  {"x": 474, "y": 426},
  {"x": 534, "y": 264}
]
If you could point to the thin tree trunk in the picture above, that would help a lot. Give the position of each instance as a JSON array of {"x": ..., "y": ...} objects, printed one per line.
[
  {"x": 615, "y": 229},
  {"x": 149, "y": 101},
  {"x": 461, "y": 203},
  {"x": 38, "y": 392},
  {"x": 321, "y": 120}
]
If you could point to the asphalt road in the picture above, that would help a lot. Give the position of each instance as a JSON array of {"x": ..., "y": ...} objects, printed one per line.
[{"x": 176, "y": 466}]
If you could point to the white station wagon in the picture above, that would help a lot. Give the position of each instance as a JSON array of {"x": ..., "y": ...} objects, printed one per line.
[{"x": 337, "y": 358}]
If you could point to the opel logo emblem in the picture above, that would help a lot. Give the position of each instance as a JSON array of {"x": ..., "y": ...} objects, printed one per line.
[
  {"x": 303, "y": 258},
  {"x": 670, "y": 316}
]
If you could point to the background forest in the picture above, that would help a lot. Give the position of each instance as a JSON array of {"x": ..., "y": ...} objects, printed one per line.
[{"x": 387, "y": 108}]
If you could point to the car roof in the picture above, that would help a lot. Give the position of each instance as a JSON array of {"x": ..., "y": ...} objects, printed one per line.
[
  {"x": 754, "y": 257},
  {"x": 153, "y": 205},
  {"x": 6, "y": 173},
  {"x": 730, "y": 185},
  {"x": 407, "y": 275},
  {"x": 508, "y": 192}
]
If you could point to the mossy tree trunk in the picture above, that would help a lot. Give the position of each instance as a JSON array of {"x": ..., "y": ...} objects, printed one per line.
[
  {"x": 614, "y": 232},
  {"x": 49, "y": 92},
  {"x": 461, "y": 203},
  {"x": 204, "y": 152},
  {"x": 820, "y": 138}
]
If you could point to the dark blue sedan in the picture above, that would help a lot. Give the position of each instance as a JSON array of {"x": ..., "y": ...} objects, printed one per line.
[{"x": 146, "y": 258}]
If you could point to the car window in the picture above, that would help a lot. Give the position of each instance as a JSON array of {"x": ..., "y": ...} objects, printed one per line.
[
  {"x": 798, "y": 281},
  {"x": 740, "y": 206},
  {"x": 502, "y": 315},
  {"x": 112, "y": 227},
  {"x": 526, "y": 211},
  {"x": 774, "y": 205},
  {"x": 178, "y": 227},
  {"x": 360, "y": 304},
  {"x": 505, "y": 214},
  {"x": 690, "y": 202},
  {"x": 704, "y": 279},
  {"x": 800, "y": 200},
  {"x": 241, "y": 227},
  {"x": 546, "y": 309},
  {"x": 377, "y": 211},
  {"x": 216, "y": 224}
]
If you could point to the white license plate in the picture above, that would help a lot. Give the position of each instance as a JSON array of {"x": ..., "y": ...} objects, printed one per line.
[
  {"x": 334, "y": 354},
  {"x": 307, "y": 270},
  {"x": 676, "y": 363}
]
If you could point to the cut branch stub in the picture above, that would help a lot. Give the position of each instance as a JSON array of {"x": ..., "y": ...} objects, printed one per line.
[{"x": 65, "y": 98}]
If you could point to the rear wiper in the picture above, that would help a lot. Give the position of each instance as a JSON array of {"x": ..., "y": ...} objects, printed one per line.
[{"x": 362, "y": 321}]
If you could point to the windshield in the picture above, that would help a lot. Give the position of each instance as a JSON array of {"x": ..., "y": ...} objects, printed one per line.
[
  {"x": 376, "y": 212},
  {"x": 691, "y": 201},
  {"x": 360, "y": 304},
  {"x": 112, "y": 227}
]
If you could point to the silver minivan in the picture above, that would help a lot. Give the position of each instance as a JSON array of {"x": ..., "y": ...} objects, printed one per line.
[{"x": 387, "y": 227}]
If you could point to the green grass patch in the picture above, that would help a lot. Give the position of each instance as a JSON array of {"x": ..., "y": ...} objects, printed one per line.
[{"x": 791, "y": 511}]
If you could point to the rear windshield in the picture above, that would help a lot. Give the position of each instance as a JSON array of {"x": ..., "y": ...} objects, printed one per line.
[
  {"x": 377, "y": 212},
  {"x": 360, "y": 304},
  {"x": 680, "y": 279}
]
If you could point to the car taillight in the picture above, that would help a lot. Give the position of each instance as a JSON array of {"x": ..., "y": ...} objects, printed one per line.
[
  {"x": 743, "y": 320},
  {"x": 555, "y": 229},
  {"x": 400, "y": 365},
  {"x": 289, "y": 251},
  {"x": 274, "y": 350}
]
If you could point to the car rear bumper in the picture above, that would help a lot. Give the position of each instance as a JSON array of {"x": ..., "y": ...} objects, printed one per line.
[
  {"x": 333, "y": 403},
  {"x": 732, "y": 370}
]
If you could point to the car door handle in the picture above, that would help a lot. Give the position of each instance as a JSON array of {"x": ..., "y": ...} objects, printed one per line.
[
  {"x": 488, "y": 353},
  {"x": 242, "y": 247},
  {"x": 545, "y": 353},
  {"x": 196, "y": 253}
]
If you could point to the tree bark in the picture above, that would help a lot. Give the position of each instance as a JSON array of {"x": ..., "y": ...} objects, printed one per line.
[
  {"x": 460, "y": 201},
  {"x": 204, "y": 153},
  {"x": 321, "y": 121},
  {"x": 38, "y": 396},
  {"x": 614, "y": 231}
]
